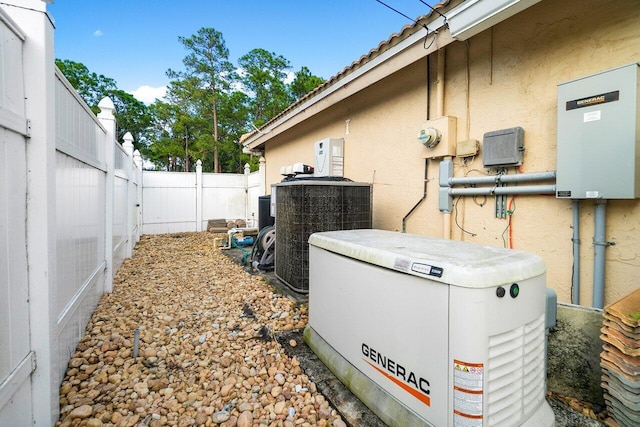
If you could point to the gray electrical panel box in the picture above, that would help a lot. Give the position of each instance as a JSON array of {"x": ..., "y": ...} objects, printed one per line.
[
  {"x": 598, "y": 136},
  {"x": 502, "y": 148}
]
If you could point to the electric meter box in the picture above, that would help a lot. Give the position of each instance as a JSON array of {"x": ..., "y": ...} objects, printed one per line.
[
  {"x": 598, "y": 136},
  {"x": 431, "y": 332},
  {"x": 329, "y": 157}
]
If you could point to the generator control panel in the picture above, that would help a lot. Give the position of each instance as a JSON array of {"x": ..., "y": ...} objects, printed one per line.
[{"x": 598, "y": 145}]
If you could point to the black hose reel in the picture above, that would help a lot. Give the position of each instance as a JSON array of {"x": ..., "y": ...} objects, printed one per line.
[{"x": 264, "y": 250}]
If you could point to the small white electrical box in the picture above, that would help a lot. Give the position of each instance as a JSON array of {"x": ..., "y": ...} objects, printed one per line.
[
  {"x": 439, "y": 137},
  {"x": 467, "y": 148},
  {"x": 329, "y": 157}
]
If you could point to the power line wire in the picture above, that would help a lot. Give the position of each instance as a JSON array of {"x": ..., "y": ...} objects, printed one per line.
[
  {"x": 395, "y": 10},
  {"x": 432, "y": 8},
  {"x": 415, "y": 21}
]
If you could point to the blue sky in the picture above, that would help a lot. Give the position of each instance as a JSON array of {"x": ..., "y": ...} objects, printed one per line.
[{"x": 136, "y": 41}]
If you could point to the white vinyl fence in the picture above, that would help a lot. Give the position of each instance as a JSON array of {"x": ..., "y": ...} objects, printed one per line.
[
  {"x": 185, "y": 201},
  {"x": 16, "y": 355},
  {"x": 71, "y": 210},
  {"x": 69, "y": 216}
]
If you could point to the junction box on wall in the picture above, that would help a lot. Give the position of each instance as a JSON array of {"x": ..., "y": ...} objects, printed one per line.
[
  {"x": 439, "y": 136},
  {"x": 598, "y": 135},
  {"x": 503, "y": 148}
]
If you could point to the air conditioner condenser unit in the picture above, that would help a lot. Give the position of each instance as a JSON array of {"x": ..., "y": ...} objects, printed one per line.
[{"x": 431, "y": 332}]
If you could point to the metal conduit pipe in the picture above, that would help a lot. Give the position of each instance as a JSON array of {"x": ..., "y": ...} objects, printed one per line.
[
  {"x": 575, "y": 297},
  {"x": 424, "y": 197},
  {"x": 599, "y": 244},
  {"x": 524, "y": 177},
  {"x": 440, "y": 84},
  {"x": 446, "y": 215},
  {"x": 426, "y": 161},
  {"x": 496, "y": 179},
  {"x": 507, "y": 191}
]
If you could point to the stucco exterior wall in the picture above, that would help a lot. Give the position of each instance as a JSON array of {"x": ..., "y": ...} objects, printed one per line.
[{"x": 503, "y": 77}]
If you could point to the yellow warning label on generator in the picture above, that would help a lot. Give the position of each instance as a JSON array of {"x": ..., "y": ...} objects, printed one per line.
[{"x": 467, "y": 394}]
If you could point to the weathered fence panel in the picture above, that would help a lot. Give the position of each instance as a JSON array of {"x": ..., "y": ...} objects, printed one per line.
[
  {"x": 122, "y": 175},
  {"x": 255, "y": 189},
  {"x": 168, "y": 202},
  {"x": 68, "y": 214},
  {"x": 81, "y": 168},
  {"x": 16, "y": 357},
  {"x": 184, "y": 201},
  {"x": 223, "y": 196}
]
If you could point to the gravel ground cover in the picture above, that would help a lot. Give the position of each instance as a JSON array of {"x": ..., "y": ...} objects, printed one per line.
[{"x": 206, "y": 353}]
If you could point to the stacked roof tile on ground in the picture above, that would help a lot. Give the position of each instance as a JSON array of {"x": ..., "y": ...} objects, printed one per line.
[{"x": 620, "y": 361}]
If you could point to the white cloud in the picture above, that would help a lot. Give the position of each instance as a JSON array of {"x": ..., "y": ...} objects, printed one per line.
[
  {"x": 148, "y": 94},
  {"x": 290, "y": 77},
  {"x": 97, "y": 33}
]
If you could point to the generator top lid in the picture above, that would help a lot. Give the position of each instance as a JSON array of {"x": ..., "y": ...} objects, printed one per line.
[{"x": 452, "y": 262}]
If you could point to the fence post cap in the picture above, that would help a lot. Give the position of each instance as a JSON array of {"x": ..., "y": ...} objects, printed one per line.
[
  {"x": 128, "y": 143},
  {"x": 137, "y": 158},
  {"x": 106, "y": 108}
]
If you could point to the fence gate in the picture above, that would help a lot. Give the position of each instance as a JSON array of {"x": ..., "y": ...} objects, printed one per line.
[{"x": 17, "y": 361}]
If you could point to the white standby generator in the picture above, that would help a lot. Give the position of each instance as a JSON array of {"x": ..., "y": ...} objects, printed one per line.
[{"x": 429, "y": 331}]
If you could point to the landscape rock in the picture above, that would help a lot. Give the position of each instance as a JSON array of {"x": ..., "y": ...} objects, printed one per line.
[
  {"x": 81, "y": 412},
  {"x": 94, "y": 422},
  {"x": 220, "y": 417},
  {"x": 206, "y": 344},
  {"x": 245, "y": 419}
]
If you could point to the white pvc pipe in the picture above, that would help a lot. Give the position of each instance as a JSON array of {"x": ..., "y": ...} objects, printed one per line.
[{"x": 446, "y": 226}]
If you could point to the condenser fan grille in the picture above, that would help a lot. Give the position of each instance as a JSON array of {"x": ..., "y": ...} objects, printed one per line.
[{"x": 304, "y": 208}]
